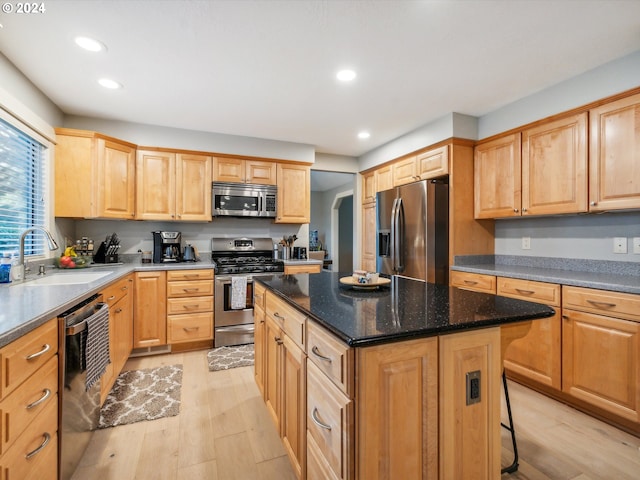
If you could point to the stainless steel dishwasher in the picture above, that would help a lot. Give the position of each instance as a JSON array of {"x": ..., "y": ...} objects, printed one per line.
[{"x": 79, "y": 408}]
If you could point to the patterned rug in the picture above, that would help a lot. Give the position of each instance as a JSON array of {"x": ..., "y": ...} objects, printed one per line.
[
  {"x": 140, "y": 395},
  {"x": 224, "y": 358}
]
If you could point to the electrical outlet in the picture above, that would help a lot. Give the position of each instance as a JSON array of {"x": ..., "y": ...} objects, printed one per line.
[
  {"x": 526, "y": 243},
  {"x": 619, "y": 245},
  {"x": 636, "y": 244}
]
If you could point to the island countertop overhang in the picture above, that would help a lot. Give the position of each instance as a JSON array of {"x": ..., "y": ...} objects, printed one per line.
[{"x": 406, "y": 309}]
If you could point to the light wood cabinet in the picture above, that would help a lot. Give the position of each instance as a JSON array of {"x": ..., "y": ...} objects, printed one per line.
[
  {"x": 307, "y": 268},
  {"x": 384, "y": 178},
  {"x": 189, "y": 306},
  {"x": 294, "y": 193},
  {"x": 239, "y": 170},
  {"x": 397, "y": 410},
  {"x": 94, "y": 175},
  {"x": 463, "y": 424},
  {"x": 538, "y": 355},
  {"x": 119, "y": 297},
  {"x": 614, "y": 150},
  {"x": 173, "y": 186},
  {"x": 497, "y": 177},
  {"x": 259, "y": 335},
  {"x": 294, "y": 402},
  {"x": 369, "y": 187},
  {"x": 369, "y": 234},
  {"x": 600, "y": 359},
  {"x": 404, "y": 171},
  {"x": 29, "y": 405},
  {"x": 554, "y": 167},
  {"x": 425, "y": 165},
  {"x": 150, "y": 311},
  {"x": 477, "y": 282}
]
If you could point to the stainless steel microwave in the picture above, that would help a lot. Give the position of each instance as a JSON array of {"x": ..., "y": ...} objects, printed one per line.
[{"x": 243, "y": 200}]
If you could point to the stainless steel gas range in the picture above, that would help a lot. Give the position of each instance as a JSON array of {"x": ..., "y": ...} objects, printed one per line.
[{"x": 236, "y": 262}]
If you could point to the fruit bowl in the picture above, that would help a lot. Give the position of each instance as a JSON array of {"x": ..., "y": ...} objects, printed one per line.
[{"x": 68, "y": 262}]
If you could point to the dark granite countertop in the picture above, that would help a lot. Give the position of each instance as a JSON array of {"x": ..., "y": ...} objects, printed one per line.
[{"x": 404, "y": 310}]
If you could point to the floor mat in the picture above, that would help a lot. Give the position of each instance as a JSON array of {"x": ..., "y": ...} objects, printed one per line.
[{"x": 224, "y": 358}]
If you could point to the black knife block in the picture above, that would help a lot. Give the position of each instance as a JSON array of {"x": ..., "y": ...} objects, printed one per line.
[{"x": 102, "y": 257}]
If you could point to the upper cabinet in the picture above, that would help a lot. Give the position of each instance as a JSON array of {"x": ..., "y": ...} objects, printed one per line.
[
  {"x": 238, "y": 170},
  {"x": 94, "y": 175},
  {"x": 541, "y": 171},
  {"x": 614, "y": 155},
  {"x": 173, "y": 186},
  {"x": 294, "y": 193},
  {"x": 429, "y": 164},
  {"x": 369, "y": 187},
  {"x": 384, "y": 178}
]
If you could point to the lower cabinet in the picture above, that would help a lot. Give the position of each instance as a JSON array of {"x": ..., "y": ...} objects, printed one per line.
[
  {"x": 29, "y": 405},
  {"x": 189, "y": 306},
  {"x": 150, "y": 324},
  {"x": 307, "y": 268}
]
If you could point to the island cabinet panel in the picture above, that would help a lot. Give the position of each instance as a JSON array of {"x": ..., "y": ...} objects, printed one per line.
[
  {"x": 397, "y": 412},
  {"x": 538, "y": 355},
  {"x": 294, "y": 402},
  {"x": 614, "y": 155},
  {"x": 259, "y": 343},
  {"x": 272, "y": 368},
  {"x": 469, "y": 433}
]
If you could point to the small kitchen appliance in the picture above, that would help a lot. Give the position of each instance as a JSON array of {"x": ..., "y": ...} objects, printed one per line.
[
  {"x": 189, "y": 254},
  {"x": 243, "y": 200},
  {"x": 239, "y": 258},
  {"x": 167, "y": 247}
]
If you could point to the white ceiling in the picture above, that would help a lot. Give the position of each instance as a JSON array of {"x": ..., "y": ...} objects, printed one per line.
[{"x": 266, "y": 69}]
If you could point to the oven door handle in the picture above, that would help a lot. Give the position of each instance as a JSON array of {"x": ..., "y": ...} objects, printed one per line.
[{"x": 244, "y": 327}]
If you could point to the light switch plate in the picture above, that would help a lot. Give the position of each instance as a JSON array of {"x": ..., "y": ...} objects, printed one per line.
[{"x": 619, "y": 245}]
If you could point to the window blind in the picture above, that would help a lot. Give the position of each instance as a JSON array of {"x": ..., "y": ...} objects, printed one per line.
[{"x": 22, "y": 190}]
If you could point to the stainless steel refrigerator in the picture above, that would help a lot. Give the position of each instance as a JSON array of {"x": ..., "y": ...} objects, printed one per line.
[{"x": 413, "y": 231}]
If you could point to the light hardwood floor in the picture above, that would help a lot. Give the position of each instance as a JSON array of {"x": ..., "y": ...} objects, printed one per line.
[{"x": 223, "y": 432}]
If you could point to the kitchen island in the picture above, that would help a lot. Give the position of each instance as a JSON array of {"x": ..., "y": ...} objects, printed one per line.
[{"x": 400, "y": 382}]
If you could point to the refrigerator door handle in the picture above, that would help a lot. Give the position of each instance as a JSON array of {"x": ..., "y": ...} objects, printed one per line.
[
  {"x": 394, "y": 213},
  {"x": 399, "y": 246}
]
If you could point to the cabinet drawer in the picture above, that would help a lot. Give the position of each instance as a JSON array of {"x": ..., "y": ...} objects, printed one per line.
[
  {"x": 188, "y": 328},
  {"x": 293, "y": 269},
  {"x": 474, "y": 281},
  {"x": 34, "y": 455},
  {"x": 539, "y": 292},
  {"x": 330, "y": 422},
  {"x": 616, "y": 304},
  {"x": 114, "y": 292},
  {"x": 288, "y": 318},
  {"x": 189, "y": 305},
  {"x": 20, "y": 408},
  {"x": 333, "y": 357},
  {"x": 195, "y": 288},
  {"x": 21, "y": 358},
  {"x": 204, "y": 274}
]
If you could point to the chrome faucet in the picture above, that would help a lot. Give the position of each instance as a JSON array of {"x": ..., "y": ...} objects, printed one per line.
[{"x": 21, "y": 268}]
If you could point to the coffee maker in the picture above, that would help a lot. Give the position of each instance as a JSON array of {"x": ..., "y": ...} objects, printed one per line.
[{"x": 167, "y": 247}]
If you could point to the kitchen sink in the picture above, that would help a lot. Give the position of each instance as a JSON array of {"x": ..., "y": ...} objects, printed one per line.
[{"x": 70, "y": 278}]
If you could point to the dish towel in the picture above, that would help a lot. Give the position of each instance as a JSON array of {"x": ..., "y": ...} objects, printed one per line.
[
  {"x": 97, "y": 348},
  {"x": 238, "y": 293}
]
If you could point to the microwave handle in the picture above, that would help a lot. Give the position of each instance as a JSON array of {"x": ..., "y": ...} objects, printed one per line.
[{"x": 260, "y": 202}]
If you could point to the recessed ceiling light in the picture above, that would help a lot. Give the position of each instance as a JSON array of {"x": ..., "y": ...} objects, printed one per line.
[
  {"x": 108, "y": 83},
  {"x": 364, "y": 135},
  {"x": 90, "y": 44},
  {"x": 346, "y": 75}
]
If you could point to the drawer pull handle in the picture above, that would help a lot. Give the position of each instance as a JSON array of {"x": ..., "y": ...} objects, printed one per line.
[
  {"x": 317, "y": 421},
  {"x": 277, "y": 315},
  {"x": 470, "y": 282},
  {"x": 191, "y": 306},
  {"x": 45, "y": 442},
  {"x": 190, "y": 329},
  {"x": 44, "y": 350},
  {"x": 191, "y": 290},
  {"x": 125, "y": 288},
  {"x": 111, "y": 298},
  {"x": 118, "y": 310},
  {"x": 46, "y": 393},
  {"x": 192, "y": 275},
  {"x": 278, "y": 340},
  {"x": 317, "y": 353},
  {"x": 601, "y": 304},
  {"x": 525, "y": 292}
]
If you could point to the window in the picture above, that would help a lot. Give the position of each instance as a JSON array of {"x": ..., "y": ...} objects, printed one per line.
[{"x": 22, "y": 190}]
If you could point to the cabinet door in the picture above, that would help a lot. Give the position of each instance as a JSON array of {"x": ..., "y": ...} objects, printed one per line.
[
  {"x": 259, "y": 344},
  {"x": 404, "y": 171},
  {"x": 115, "y": 189},
  {"x": 554, "y": 167},
  {"x": 434, "y": 163},
  {"x": 155, "y": 185},
  {"x": 369, "y": 187},
  {"x": 369, "y": 237},
  {"x": 497, "y": 182},
  {"x": 272, "y": 361},
  {"x": 397, "y": 393},
  {"x": 150, "y": 325},
  {"x": 614, "y": 155},
  {"x": 193, "y": 188},
  {"x": 384, "y": 178},
  {"x": 228, "y": 170},
  {"x": 600, "y": 362},
  {"x": 260, "y": 172},
  {"x": 294, "y": 194},
  {"x": 294, "y": 402}
]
